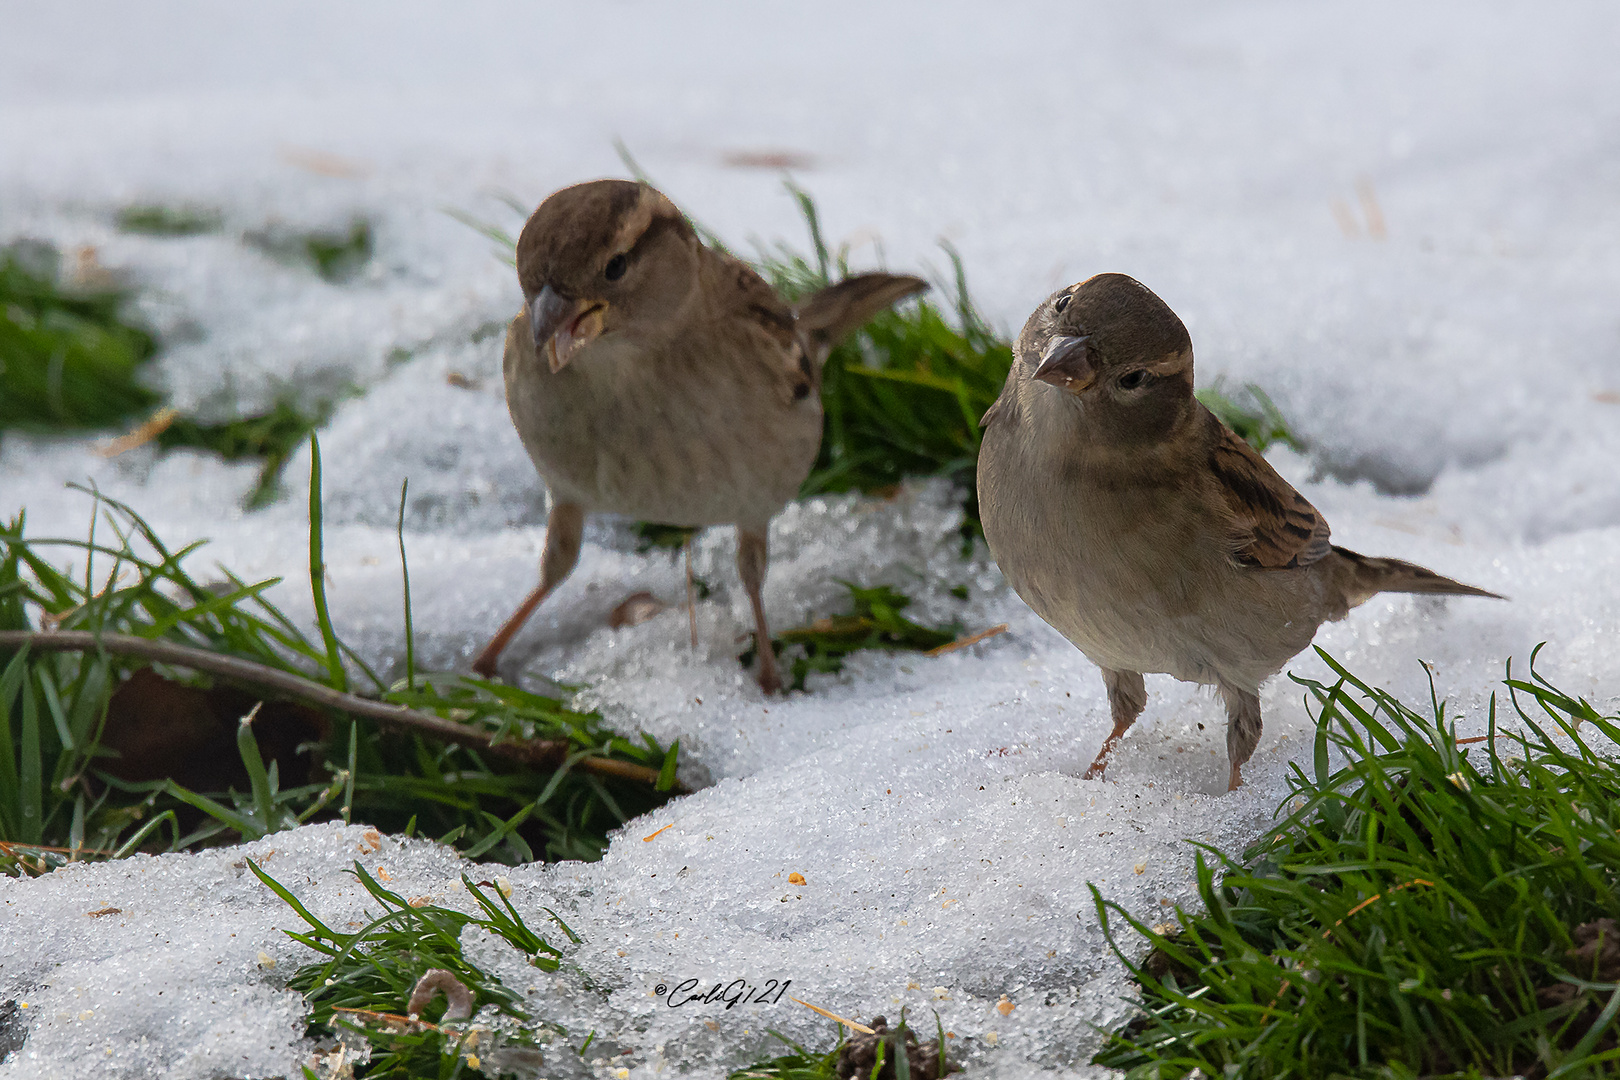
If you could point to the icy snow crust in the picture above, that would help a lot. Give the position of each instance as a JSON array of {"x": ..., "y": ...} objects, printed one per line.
[{"x": 1458, "y": 381}]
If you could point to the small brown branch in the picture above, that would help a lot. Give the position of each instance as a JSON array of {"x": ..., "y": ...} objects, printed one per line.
[
  {"x": 9, "y": 848},
  {"x": 851, "y": 1024},
  {"x": 393, "y": 1018},
  {"x": 971, "y": 639},
  {"x": 148, "y": 430},
  {"x": 539, "y": 753}
]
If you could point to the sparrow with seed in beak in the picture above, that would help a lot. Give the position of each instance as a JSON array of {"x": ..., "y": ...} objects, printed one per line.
[
  {"x": 651, "y": 376},
  {"x": 1146, "y": 531}
]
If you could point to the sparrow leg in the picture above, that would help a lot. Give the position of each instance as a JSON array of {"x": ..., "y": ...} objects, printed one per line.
[
  {"x": 564, "y": 528},
  {"x": 1242, "y": 729},
  {"x": 752, "y": 556},
  {"x": 1127, "y": 697}
]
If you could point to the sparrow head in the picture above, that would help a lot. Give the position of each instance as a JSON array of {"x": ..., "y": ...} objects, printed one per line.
[
  {"x": 1118, "y": 349},
  {"x": 599, "y": 257}
]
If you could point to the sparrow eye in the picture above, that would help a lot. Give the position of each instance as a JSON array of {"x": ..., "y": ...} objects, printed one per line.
[
  {"x": 1061, "y": 302},
  {"x": 1131, "y": 380},
  {"x": 615, "y": 268}
]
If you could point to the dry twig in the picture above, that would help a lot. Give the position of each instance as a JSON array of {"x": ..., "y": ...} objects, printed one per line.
[{"x": 540, "y": 753}]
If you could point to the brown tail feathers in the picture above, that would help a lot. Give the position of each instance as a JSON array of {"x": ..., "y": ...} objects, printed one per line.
[
  {"x": 1368, "y": 576},
  {"x": 831, "y": 313}
]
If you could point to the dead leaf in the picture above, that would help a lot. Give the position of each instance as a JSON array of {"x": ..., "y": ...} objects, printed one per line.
[
  {"x": 141, "y": 434},
  {"x": 767, "y": 159},
  {"x": 163, "y": 729},
  {"x": 322, "y": 163}
]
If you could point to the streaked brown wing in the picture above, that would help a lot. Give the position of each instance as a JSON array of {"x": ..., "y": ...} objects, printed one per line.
[
  {"x": 746, "y": 295},
  {"x": 751, "y": 325},
  {"x": 1276, "y": 528}
]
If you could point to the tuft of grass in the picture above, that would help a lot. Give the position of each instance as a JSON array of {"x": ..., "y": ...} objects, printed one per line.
[
  {"x": 873, "y": 622},
  {"x": 883, "y": 1054},
  {"x": 904, "y": 395},
  {"x": 69, "y": 359},
  {"x": 365, "y": 985},
  {"x": 271, "y": 437},
  {"x": 340, "y": 256},
  {"x": 1427, "y": 909},
  {"x": 337, "y": 256},
  {"x": 1255, "y": 417},
  {"x": 800, "y": 1063},
  {"x": 59, "y": 803},
  {"x": 156, "y": 219}
]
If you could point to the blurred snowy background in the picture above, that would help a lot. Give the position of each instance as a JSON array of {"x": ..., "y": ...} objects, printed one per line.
[{"x": 1402, "y": 222}]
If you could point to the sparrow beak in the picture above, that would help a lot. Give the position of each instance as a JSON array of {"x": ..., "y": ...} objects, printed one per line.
[
  {"x": 1067, "y": 364},
  {"x": 561, "y": 326}
]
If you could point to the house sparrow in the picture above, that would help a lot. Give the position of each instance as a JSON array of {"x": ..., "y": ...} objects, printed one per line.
[
  {"x": 654, "y": 377},
  {"x": 1146, "y": 531}
]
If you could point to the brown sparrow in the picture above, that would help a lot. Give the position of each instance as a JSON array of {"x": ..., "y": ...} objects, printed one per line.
[
  {"x": 654, "y": 377},
  {"x": 1145, "y": 530}
]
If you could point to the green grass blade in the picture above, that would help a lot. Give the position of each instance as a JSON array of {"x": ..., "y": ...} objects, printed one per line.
[
  {"x": 131, "y": 845},
  {"x": 291, "y": 901},
  {"x": 11, "y": 681},
  {"x": 30, "y": 775},
  {"x": 264, "y": 803},
  {"x": 53, "y": 705},
  {"x": 502, "y": 830},
  {"x": 348, "y": 781},
  {"x": 405, "y": 575},
  {"x": 1581, "y": 1055},
  {"x": 336, "y": 674},
  {"x": 247, "y": 826},
  {"x": 666, "y": 774}
]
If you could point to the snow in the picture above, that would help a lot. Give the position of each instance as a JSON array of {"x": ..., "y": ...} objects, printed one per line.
[{"x": 1458, "y": 379}]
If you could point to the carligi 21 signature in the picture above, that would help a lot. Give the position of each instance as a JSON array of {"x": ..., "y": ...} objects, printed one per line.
[{"x": 735, "y": 992}]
